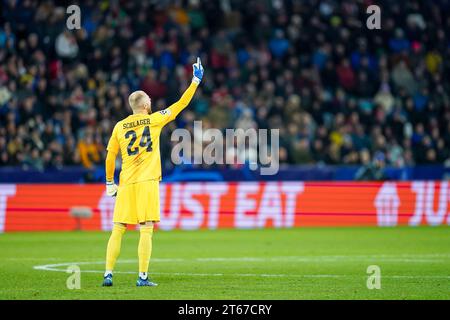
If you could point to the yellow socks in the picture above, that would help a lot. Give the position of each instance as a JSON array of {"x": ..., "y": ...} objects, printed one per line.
[
  {"x": 145, "y": 249},
  {"x": 113, "y": 250}
]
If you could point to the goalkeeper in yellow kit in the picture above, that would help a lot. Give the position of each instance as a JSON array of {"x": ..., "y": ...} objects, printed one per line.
[{"x": 137, "y": 202}]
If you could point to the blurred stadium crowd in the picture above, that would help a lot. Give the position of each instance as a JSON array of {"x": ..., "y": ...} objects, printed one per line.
[{"x": 339, "y": 92}]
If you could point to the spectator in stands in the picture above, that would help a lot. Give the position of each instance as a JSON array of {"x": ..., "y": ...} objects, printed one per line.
[
  {"x": 89, "y": 151},
  {"x": 373, "y": 171},
  {"x": 338, "y": 92}
]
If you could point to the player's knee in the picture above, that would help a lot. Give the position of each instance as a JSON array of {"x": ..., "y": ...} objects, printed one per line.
[{"x": 120, "y": 227}]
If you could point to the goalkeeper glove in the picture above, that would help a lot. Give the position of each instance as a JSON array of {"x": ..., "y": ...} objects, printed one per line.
[
  {"x": 197, "y": 70},
  {"x": 111, "y": 188}
]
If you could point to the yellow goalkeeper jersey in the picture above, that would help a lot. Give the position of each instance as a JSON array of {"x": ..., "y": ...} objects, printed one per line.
[{"x": 137, "y": 138}]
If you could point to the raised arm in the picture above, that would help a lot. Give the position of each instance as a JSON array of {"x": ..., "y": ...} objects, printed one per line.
[
  {"x": 178, "y": 106},
  {"x": 171, "y": 112}
]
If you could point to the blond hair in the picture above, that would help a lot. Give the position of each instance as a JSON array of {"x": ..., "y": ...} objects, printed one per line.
[{"x": 138, "y": 99}]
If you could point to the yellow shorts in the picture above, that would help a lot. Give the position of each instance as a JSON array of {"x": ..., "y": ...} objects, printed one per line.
[{"x": 137, "y": 203}]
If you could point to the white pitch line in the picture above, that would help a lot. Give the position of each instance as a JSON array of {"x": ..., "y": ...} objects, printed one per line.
[
  {"x": 331, "y": 258},
  {"x": 54, "y": 268}
]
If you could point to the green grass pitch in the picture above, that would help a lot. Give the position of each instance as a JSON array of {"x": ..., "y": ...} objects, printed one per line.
[{"x": 302, "y": 263}]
